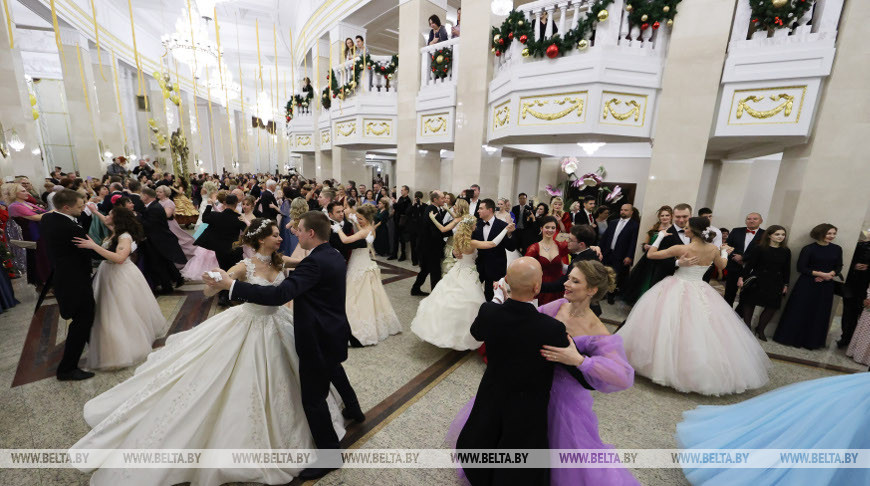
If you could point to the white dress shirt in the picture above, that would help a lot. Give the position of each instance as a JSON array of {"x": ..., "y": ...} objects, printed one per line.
[
  {"x": 589, "y": 217},
  {"x": 472, "y": 206},
  {"x": 619, "y": 226},
  {"x": 682, "y": 234},
  {"x": 748, "y": 239},
  {"x": 487, "y": 228}
]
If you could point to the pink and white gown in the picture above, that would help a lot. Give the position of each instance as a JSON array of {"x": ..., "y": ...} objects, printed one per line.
[
  {"x": 370, "y": 313},
  {"x": 232, "y": 382},
  {"x": 127, "y": 317},
  {"x": 682, "y": 334}
]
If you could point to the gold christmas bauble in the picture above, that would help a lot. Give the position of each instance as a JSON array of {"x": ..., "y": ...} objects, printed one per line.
[
  {"x": 666, "y": 9},
  {"x": 670, "y": 22},
  {"x": 389, "y": 76},
  {"x": 495, "y": 38},
  {"x": 526, "y": 52},
  {"x": 439, "y": 59},
  {"x": 644, "y": 17},
  {"x": 602, "y": 15},
  {"x": 34, "y": 113},
  {"x": 492, "y": 50},
  {"x": 165, "y": 94},
  {"x": 583, "y": 44},
  {"x": 32, "y": 100},
  {"x": 628, "y": 8},
  {"x": 520, "y": 23},
  {"x": 779, "y": 3}
]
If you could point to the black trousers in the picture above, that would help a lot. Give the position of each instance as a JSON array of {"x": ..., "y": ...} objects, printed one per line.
[
  {"x": 430, "y": 266},
  {"x": 400, "y": 237},
  {"x": 852, "y": 309},
  {"x": 734, "y": 272},
  {"x": 488, "y": 291},
  {"x": 315, "y": 376},
  {"x": 415, "y": 252},
  {"x": 78, "y": 335}
]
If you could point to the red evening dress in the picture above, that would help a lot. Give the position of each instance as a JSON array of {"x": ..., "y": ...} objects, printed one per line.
[{"x": 552, "y": 269}]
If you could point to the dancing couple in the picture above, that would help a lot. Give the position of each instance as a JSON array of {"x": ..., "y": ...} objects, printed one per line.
[{"x": 239, "y": 379}]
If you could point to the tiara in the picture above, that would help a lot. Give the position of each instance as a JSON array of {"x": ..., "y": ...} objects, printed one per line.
[
  {"x": 263, "y": 226},
  {"x": 468, "y": 219}
]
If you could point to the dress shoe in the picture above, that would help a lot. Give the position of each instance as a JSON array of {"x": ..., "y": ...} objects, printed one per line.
[
  {"x": 353, "y": 413},
  {"x": 74, "y": 375},
  {"x": 402, "y": 258},
  {"x": 179, "y": 282},
  {"x": 759, "y": 333},
  {"x": 392, "y": 257},
  {"x": 611, "y": 299},
  {"x": 315, "y": 472},
  {"x": 419, "y": 292}
]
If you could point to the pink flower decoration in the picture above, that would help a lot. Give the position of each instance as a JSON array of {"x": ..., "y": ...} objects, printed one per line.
[
  {"x": 576, "y": 183},
  {"x": 552, "y": 191},
  {"x": 617, "y": 191}
]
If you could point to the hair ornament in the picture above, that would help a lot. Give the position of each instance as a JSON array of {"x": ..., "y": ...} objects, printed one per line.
[{"x": 263, "y": 225}]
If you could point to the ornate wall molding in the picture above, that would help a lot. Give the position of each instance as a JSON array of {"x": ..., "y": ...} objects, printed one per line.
[
  {"x": 378, "y": 128},
  {"x": 766, "y": 106},
  {"x": 623, "y": 109},
  {"x": 434, "y": 124},
  {"x": 345, "y": 129},
  {"x": 554, "y": 107}
]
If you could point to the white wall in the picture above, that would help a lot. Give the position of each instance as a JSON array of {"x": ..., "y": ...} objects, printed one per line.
[{"x": 745, "y": 186}]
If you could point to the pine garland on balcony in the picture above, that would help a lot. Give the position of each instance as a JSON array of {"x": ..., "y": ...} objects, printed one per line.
[
  {"x": 325, "y": 100},
  {"x": 517, "y": 27},
  {"x": 771, "y": 15},
  {"x": 288, "y": 111},
  {"x": 387, "y": 69},
  {"x": 441, "y": 62},
  {"x": 652, "y": 13}
]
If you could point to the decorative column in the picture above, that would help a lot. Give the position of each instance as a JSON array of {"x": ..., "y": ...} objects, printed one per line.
[
  {"x": 418, "y": 169},
  {"x": 15, "y": 112},
  {"x": 85, "y": 130},
  {"x": 825, "y": 180},
  {"x": 687, "y": 104},
  {"x": 109, "y": 120},
  {"x": 320, "y": 158}
]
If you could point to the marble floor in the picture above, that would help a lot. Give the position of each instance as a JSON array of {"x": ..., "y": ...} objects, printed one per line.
[{"x": 409, "y": 389}]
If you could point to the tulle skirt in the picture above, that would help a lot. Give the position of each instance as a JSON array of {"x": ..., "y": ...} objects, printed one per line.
[
  {"x": 127, "y": 319},
  {"x": 682, "y": 334},
  {"x": 828, "y": 413},
  {"x": 370, "y": 313},
  {"x": 184, "y": 239},
  {"x": 232, "y": 382},
  {"x": 444, "y": 317},
  {"x": 203, "y": 261}
]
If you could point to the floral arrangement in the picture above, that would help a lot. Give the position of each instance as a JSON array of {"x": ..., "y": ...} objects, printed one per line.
[{"x": 579, "y": 183}]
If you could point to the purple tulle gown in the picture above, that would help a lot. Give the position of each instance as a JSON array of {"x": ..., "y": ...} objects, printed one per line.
[{"x": 572, "y": 423}]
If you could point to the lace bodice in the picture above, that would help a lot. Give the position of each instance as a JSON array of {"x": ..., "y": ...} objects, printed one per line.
[
  {"x": 468, "y": 259},
  {"x": 124, "y": 236},
  {"x": 694, "y": 272},
  {"x": 252, "y": 277}
]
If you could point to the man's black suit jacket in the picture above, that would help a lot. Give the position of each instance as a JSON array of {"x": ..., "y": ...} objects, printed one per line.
[
  {"x": 625, "y": 243},
  {"x": 667, "y": 267},
  {"x": 71, "y": 265},
  {"x": 159, "y": 235},
  {"x": 222, "y": 231},
  {"x": 266, "y": 200},
  {"x": 492, "y": 263},
  {"x": 737, "y": 240},
  {"x": 317, "y": 288},
  {"x": 510, "y": 409},
  {"x": 345, "y": 249},
  {"x": 430, "y": 238}
]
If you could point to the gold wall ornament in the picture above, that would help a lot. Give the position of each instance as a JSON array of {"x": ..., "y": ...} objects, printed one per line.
[
  {"x": 786, "y": 107},
  {"x": 501, "y": 116},
  {"x": 573, "y": 104},
  {"x": 635, "y": 110},
  {"x": 383, "y": 127},
  {"x": 303, "y": 140},
  {"x": 324, "y": 136},
  {"x": 344, "y": 132},
  {"x": 433, "y": 124}
]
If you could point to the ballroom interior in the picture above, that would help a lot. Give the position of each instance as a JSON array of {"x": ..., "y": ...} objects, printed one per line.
[{"x": 702, "y": 108}]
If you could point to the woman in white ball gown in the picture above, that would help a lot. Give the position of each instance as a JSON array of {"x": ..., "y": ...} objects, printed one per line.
[
  {"x": 683, "y": 334},
  {"x": 127, "y": 318},
  {"x": 232, "y": 382},
  {"x": 444, "y": 317},
  {"x": 373, "y": 318}
]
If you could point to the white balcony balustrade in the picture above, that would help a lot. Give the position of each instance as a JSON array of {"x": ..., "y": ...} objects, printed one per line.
[
  {"x": 772, "y": 78},
  {"x": 436, "y": 100}
]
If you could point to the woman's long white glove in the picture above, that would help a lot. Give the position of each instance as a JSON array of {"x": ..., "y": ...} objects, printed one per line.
[{"x": 500, "y": 237}]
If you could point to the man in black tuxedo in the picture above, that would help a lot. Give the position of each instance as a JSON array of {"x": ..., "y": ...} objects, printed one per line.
[
  {"x": 317, "y": 288},
  {"x": 161, "y": 248},
  {"x": 336, "y": 219},
  {"x": 510, "y": 409},
  {"x": 143, "y": 169},
  {"x": 587, "y": 213},
  {"x": 523, "y": 216},
  {"x": 618, "y": 244},
  {"x": 474, "y": 201},
  {"x": 71, "y": 270},
  {"x": 580, "y": 247},
  {"x": 267, "y": 200},
  {"x": 430, "y": 244},
  {"x": 133, "y": 188},
  {"x": 743, "y": 240},
  {"x": 223, "y": 230},
  {"x": 256, "y": 191},
  {"x": 400, "y": 217},
  {"x": 676, "y": 236},
  {"x": 491, "y": 263},
  {"x": 166, "y": 181},
  {"x": 115, "y": 189}
]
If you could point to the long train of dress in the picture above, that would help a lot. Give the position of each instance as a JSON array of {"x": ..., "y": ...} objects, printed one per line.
[
  {"x": 232, "y": 382},
  {"x": 371, "y": 315}
]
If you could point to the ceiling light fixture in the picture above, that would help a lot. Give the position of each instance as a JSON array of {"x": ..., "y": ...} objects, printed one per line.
[
  {"x": 502, "y": 7},
  {"x": 592, "y": 147}
]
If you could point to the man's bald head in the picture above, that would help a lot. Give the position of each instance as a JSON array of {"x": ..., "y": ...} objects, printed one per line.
[{"x": 524, "y": 278}]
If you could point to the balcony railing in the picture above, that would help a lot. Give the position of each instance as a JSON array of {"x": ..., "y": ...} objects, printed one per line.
[
  {"x": 430, "y": 75},
  {"x": 819, "y": 23},
  {"x": 370, "y": 79}
]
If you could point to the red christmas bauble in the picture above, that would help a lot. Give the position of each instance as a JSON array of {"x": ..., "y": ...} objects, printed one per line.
[
  {"x": 334, "y": 96},
  {"x": 433, "y": 69},
  {"x": 445, "y": 70},
  {"x": 552, "y": 51},
  {"x": 501, "y": 42},
  {"x": 523, "y": 38},
  {"x": 511, "y": 35},
  {"x": 644, "y": 26},
  {"x": 655, "y": 25},
  {"x": 497, "y": 53}
]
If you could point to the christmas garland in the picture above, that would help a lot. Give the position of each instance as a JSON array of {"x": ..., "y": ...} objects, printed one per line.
[
  {"x": 517, "y": 27},
  {"x": 325, "y": 100},
  {"x": 6, "y": 258},
  {"x": 288, "y": 111},
  {"x": 652, "y": 13},
  {"x": 387, "y": 69},
  {"x": 777, "y": 14},
  {"x": 441, "y": 62}
]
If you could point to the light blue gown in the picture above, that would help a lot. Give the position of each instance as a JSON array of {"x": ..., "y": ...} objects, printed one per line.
[{"x": 828, "y": 413}]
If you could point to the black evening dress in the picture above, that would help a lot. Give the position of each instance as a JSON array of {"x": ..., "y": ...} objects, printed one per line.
[
  {"x": 771, "y": 268},
  {"x": 804, "y": 322}
]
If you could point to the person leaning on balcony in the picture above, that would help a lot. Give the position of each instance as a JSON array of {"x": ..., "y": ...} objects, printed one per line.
[
  {"x": 542, "y": 26},
  {"x": 437, "y": 33},
  {"x": 454, "y": 32},
  {"x": 348, "y": 49}
]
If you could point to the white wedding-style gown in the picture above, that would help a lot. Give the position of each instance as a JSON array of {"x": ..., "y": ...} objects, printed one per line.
[
  {"x": 444, "y": 317},
  {"x": 127, "y": 318},
  {"x": 232, "y": 382},
  {"x": 370, "y": 313},
  {"x": 682, "y": 334}
]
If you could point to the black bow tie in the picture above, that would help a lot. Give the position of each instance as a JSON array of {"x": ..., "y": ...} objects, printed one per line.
[
  {"x": 681, "y": 231},
  {"x": 486, "y": 223}
]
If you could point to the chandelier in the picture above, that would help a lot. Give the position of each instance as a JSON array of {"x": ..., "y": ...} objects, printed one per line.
[
  {"x": 502, "y": 7},
  {"x": 196, "y": 50},
  {"x": 215, "y": 76}
]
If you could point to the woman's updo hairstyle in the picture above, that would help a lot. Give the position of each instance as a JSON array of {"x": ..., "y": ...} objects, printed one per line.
[
  {"x": 599, "y": 276},
  {"x": 260, "y": 228},
  {"x": 698, "y": 225},
  {"x": 548, "y": 219},
  {"x": 368, "y": 212}
]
